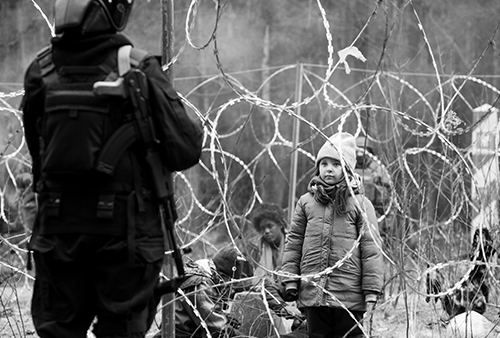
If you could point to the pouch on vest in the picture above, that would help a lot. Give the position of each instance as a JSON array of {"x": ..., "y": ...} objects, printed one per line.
[
  {"x": 84, "y": 212},
  {"x": 76, "y": 122},
  {"x": 74, "y": 197}
]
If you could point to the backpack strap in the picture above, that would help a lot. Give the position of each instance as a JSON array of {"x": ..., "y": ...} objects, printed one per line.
[
  {"x": 137, "y": 55},
  {"x": 129, "y": 57},
  {"x": 47, "y": 67},
  {"x": 124, "y": 60}
]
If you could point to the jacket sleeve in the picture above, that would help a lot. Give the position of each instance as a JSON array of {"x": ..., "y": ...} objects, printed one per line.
[
  {"x": 161, "y": 86},
  {"x": 292, "y": 253},
  {"x": 274, "y": 290},
  {"x": 170, "y": 116},
  {"x": 370, "y": 246},
  {"x": 203, "y": 301},
  {"x": 32, "y": 107}
]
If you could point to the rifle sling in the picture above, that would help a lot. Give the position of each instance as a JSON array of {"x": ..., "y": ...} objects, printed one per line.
[{"x": 114, "y": 148}]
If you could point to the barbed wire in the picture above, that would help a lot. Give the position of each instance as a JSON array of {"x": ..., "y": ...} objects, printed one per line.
[{"x": 227, "y": 166}]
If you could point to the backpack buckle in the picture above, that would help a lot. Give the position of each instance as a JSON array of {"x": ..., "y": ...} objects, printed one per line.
[
  {"x": 105, "y": 206},
  {"x": 53, "y": 205}
]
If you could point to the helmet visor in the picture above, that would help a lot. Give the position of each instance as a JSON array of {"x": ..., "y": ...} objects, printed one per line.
[{"x": 69, "y": 13}]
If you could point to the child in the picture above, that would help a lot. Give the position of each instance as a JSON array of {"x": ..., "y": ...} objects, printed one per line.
[{"x": 328, "y": 220}]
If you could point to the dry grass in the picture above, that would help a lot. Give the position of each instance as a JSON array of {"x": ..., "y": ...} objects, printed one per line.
[
  {"x": 401, "y": 315},
  {"x": 15, "y": 314}
]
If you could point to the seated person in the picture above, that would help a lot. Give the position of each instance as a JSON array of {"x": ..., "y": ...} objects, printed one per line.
[
  {"x": 267, "y": 248},
  {"x": 202, "y": 297}
]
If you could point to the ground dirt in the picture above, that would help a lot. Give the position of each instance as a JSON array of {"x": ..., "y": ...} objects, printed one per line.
[
  {"x": 395, "y": 317},
  {"x": 402, "y": 313}
]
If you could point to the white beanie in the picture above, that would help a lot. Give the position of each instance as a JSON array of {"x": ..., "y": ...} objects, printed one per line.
[{"x": 343, "y": 143}]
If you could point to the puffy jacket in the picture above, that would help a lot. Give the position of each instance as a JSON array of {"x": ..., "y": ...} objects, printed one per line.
[{"x": 320, "y": 238}]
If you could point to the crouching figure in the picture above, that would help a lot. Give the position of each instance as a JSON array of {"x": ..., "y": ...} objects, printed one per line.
[{"x": 203, "y": 297}]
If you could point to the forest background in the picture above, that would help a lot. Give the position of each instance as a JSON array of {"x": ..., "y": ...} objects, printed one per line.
[{"x": 266, "y": 79}]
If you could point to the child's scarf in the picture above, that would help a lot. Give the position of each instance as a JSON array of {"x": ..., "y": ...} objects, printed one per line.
[{"x": 337, "y": 193}]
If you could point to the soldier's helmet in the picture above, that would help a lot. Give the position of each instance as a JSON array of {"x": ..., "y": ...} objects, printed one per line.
[
  {"x": 363, "y": 146},
  {"x": 91, "y": 16},
  {"x": 363, "y": 143}
]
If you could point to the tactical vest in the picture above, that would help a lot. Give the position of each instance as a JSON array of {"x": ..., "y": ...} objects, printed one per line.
[{"x": 77, "y": 123}]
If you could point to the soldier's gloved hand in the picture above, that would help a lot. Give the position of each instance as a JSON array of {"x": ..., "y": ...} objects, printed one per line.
[{"x": 291, "y": 292}]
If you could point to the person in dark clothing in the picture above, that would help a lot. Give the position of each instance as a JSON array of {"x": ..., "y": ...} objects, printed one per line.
[{"x": 97, "y": 241}]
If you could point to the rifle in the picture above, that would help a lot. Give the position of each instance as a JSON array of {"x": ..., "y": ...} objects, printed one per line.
[{"x": 135, "y": 86}]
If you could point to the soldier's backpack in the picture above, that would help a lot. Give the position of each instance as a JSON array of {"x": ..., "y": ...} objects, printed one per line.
[
  {"x": 77, "y": 122},
  {"x": 93, "y": 117}
]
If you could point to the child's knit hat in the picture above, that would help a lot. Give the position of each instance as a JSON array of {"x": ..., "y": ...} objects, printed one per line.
[{"x": 343, "y": 143}]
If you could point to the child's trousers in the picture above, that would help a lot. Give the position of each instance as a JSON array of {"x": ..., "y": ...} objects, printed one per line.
[{"x": 329, "y": 322}]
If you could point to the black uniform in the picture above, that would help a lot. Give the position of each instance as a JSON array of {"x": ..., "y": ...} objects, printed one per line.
[{"x": 98, "y": 241}]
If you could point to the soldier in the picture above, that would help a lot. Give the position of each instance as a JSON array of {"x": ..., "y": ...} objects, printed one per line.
[
  {"x": 98, "y": 239},
  {"x": 376, "y": 181}
]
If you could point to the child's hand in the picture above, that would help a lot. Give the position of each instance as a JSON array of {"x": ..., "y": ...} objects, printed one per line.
[
  {"x": 370, "y": 306},
  {"x": 291, "y": 292},
  {"x": 290, "y": 312},
  {"x": 291, "y": 295}
]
